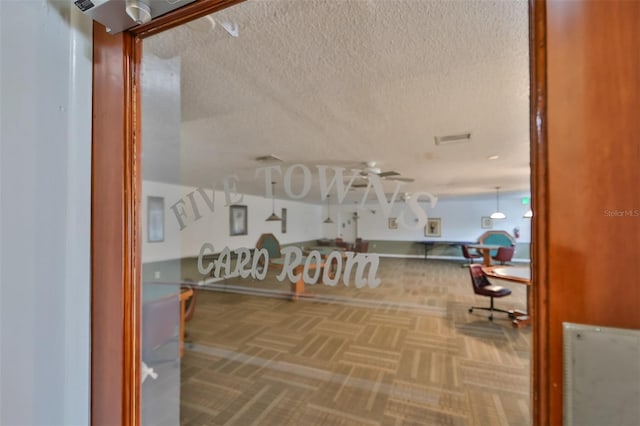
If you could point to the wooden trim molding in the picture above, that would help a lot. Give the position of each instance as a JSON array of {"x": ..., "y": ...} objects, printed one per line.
[
  {"x": 115, "y": 242},
  {"x": 540, "y": 203},
  {"x": 181, "y": 16}
]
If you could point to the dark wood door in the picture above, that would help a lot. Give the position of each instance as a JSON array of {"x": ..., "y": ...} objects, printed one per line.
[{"x": 587, "y": 202}]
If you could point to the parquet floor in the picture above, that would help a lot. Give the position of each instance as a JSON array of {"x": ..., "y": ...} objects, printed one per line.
[{"x": 405, "y": 353}]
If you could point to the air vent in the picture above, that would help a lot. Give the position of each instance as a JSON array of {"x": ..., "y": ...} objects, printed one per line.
[
  {"x": 449, "y": 139},
  {"x": 270, "y": 158}
]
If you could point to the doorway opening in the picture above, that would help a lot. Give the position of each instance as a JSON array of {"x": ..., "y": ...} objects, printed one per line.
[{"x": 244, "y": 114}]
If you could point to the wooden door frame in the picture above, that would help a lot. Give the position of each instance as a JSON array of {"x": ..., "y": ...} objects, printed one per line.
[
  {"x": 538, "y": 122},
  {"x": 116, "y": 213}
]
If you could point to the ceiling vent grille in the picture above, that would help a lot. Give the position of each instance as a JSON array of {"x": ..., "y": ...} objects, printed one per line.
[{"x": 450, "y": 139}]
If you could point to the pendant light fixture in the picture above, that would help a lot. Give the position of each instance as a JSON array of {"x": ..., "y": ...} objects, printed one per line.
[
  {"x": 498, "y": 214},
  {"x": 528, "y": 214},
  {"x": 273, "y": 217},
  {"x": 328, "y": 219}
]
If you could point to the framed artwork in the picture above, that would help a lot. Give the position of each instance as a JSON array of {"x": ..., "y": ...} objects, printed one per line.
[
  {"x": 393, "y": 223},
  {"x": 155, "y": 219},
  {"x": 486, "y": 222},
  {"x": 433, "y": 227},
  {"x": 238, "y": 220},
  {"x": 283, "y": 215}
]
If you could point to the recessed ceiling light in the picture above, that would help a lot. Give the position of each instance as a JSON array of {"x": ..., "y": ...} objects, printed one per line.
[{"x": 493, "y": 157}]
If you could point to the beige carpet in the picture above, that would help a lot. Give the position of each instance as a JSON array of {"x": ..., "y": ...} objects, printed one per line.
[{"x": 405, "y": 353}]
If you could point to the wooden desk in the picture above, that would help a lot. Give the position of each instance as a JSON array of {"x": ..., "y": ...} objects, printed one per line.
[
  {"x": 516, "y": 274},
  {"x": 185, "y": 295},
  {"x": 325, "y": 251},
  {"x": 486, "y": 251},
  {"x": 297, "y": 288}
]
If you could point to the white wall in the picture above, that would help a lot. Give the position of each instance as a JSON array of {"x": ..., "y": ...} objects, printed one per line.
[
  {"x": 303, "y": 223},
  {"x": 460, "y": 219},
  {"x": 45, "y": 92}
]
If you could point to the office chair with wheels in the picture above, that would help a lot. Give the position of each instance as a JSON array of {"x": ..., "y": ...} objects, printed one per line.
[
  {"x": 483, "y": 287},
  {"x": 504, "y": 254}
]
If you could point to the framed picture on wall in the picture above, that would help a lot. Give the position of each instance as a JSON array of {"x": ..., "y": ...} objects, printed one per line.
[
  {"x": 486, "y": 222},
  {"x": 393, "y": 223},
  {"x": 433, "y": 227},
  {"x": 155, "y": 219},
  {"x": 238, "y": 220},
  {"x": 283, "y": 215}
]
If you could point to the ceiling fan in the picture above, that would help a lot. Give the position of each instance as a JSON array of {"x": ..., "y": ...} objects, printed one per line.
[
  {"x": 370, "y": 167},
  {"x": 397, "y": 198}
]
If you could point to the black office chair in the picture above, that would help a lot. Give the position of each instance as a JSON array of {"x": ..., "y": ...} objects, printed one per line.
[
  {"x": 483, "y": 287},
  {"x": 469, "y": 256}
]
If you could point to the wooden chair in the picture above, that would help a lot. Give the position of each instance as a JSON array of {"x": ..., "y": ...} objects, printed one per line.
[
  {"x": 361, "y": 247},
  {"x": 270, "y": 243},
  {"x": 190, "y": 303},
  {"x": 342, "y": 244}
]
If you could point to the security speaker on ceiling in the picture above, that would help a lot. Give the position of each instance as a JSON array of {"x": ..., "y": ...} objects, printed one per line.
[
  {"x": 121, "y": 15},
  {"x": 139, "y": 11}
]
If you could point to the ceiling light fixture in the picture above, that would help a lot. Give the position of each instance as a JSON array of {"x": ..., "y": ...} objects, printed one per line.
[
  {"x": 493, "y": 157},
  {"x": 498, "y": 214},
  {"x": 273, "y": 217},
  {"x": 328, "y": 219},
  {"x": 528, "y": 214}
]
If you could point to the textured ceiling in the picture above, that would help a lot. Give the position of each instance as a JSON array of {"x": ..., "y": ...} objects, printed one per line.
[{"x": 341, "y": 82}]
